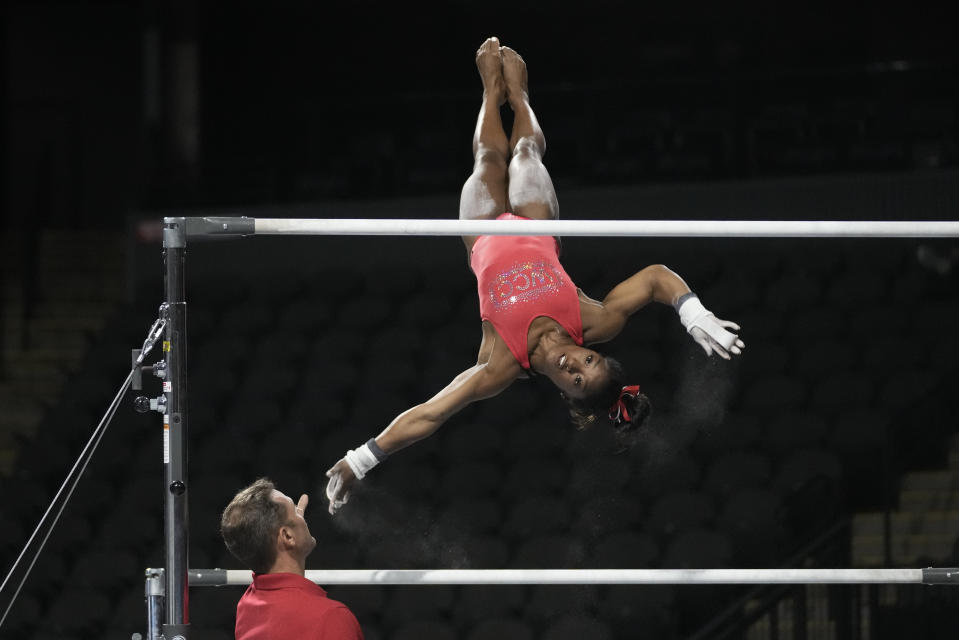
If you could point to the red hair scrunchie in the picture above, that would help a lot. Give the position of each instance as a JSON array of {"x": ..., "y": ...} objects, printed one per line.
[{"x": 618, "y": 413}]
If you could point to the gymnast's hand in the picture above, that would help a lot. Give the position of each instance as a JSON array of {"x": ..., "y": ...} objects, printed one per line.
[
  {"x": 338, "y": 488},
  {"x": 713, "y": 335}
]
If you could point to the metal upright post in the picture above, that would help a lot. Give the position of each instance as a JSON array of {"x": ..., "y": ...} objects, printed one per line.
[
  {"x": 175, "y": 423},
  {"x": 154, "y": 599}
]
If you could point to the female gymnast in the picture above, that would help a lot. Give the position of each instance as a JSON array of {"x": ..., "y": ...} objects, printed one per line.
[{"x": 535, "y": 320}]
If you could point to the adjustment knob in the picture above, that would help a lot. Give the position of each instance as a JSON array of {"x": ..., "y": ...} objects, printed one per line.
[{"x": 141, "y": 404}]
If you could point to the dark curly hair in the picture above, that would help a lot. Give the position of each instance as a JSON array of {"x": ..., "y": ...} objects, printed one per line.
[{"x": 585, "y": 412}]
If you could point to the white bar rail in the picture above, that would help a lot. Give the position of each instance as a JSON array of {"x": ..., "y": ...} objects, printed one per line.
[
  {"x": 218, "y": 226},
  {"x": 611, "y": 228},
  {"x": 217, "y": 577}
]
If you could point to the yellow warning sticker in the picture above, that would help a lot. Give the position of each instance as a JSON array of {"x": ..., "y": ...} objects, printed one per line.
[{"x": 166, "y": 345}]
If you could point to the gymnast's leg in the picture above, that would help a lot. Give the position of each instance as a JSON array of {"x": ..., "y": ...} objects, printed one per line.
[
  {"x": 531, "y": 193},
  {"x": 484, "y": 193}
]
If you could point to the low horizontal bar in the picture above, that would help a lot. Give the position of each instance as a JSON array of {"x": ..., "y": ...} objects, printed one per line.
[
  {"x": 220, "y": 577},
  {"x": 242, "y": 226}
]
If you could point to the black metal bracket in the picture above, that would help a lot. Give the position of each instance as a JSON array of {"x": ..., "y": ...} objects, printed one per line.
[{"x": 932, "y": 575}]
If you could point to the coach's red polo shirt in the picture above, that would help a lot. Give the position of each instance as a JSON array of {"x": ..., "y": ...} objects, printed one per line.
[{"x": 288, "y": 606}]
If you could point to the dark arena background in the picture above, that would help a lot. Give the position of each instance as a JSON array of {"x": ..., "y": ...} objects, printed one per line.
[{"x": 830, "y": 443}]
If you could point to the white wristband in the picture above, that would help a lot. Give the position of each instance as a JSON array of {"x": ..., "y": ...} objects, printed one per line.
[
  {"x": 361, "y": 460},
  {"x": 691, "y": 312}
]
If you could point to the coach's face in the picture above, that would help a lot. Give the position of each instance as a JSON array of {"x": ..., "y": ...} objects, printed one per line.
[{"x": 296, "y": 523}]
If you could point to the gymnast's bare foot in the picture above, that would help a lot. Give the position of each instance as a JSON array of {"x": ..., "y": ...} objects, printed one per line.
[
  {"x": 514, "y": 73},
  {"x": 490, "y": 66}
]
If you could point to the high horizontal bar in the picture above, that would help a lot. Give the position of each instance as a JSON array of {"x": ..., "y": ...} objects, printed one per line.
[
  {"x": 243, "y": 226},
  {"x": 221, "y": 577}
]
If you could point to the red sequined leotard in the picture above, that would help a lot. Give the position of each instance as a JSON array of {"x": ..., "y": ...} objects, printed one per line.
[{"x": 519, "y": 278}]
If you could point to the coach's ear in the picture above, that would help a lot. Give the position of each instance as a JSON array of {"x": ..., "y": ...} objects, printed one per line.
[{"x": 285, "y": 539}]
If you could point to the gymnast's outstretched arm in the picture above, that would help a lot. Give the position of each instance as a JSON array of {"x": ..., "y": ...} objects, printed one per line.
[
  {"x": 476, "y": 383},
  {"x": 657, "y": 283}
]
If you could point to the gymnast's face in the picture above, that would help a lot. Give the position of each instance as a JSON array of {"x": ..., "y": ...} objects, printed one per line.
[{"x": 577, "y": 371}]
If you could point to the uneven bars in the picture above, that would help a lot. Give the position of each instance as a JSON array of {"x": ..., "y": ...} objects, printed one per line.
[
  {"x": 929, "y": 576},
  {"x": 198, "y": 227}
]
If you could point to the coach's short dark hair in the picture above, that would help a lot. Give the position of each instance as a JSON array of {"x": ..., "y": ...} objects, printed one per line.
[{"x": 250, "y": 523}]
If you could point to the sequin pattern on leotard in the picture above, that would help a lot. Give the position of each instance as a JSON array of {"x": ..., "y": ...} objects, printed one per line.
[{"x": 524, "y": 282}]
